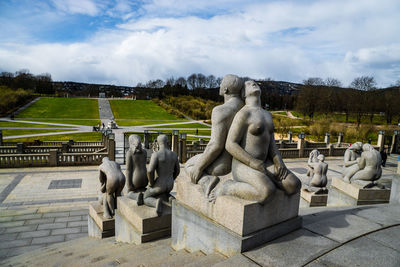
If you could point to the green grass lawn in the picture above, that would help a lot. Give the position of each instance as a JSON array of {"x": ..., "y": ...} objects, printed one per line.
[
  {"x": 88, "y": 122},
  {"x": 30, "y": 125},
  {"x": 58, "y": 107},
  {"x": 11, "y": 132},
  {"x": 144, "y": 122},
  {"x": 186, "y": 125},
  {"x": 90, "y": 136},
  {"x": 140, "y": 110}
]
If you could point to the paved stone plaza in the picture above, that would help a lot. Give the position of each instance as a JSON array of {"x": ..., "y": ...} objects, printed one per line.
[{"x": 40, "y": 207}]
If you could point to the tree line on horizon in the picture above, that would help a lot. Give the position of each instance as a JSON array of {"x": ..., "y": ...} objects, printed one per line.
[{"x": 315, "y": 95}]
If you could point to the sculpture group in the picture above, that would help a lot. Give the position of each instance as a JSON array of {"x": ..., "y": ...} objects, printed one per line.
[
  {"x": 242, "y": 142},
  {"x": 362, "y": 162},
  {"x": 146, "y": 186}
]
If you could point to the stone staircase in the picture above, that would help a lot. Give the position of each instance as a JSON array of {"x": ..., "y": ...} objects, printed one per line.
[{"x": 93, "y": 252}]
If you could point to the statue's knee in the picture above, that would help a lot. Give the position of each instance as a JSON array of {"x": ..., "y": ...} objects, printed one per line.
[
  {"x": 265, "y": 193},
  {"x": 292, "y": 184}
]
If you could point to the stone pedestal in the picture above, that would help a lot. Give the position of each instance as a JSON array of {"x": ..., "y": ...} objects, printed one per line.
[
  {"x": 230, "y": 225},
  {"x": 353, "y": 194},
  {"x": 139, "y": 224},
  {"x": 395, "y": 190},
  {"x": 98, "y": 226},
  {"x": 310, "y": 199}
]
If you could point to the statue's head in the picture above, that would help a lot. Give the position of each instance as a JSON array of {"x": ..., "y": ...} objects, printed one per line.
[
  {"x": 231, "y": 85},
  {"x": 162, "y": 140},
  {"x": 135, "y": 142},
  {"x": 251, "y": 88},
  {"x": 315, "y": 152},
  {"x": 368, "y": 147},
  {"x": 321, "y": 157},
  {"x": 356, "y": 146},
  {"x": 105, "y": 159}
]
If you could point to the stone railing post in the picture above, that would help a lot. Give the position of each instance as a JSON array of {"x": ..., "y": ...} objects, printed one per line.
[
  {"x": 64, "y": 147},
  {"x": 395, "y": 142},
  {"x": 20, "y": 148},
  {"x": 290, "y": 137},
  {"x": 53, "y": 157},
  {"x": 326, "y": 141},
  {"x": 182, "y": 148},
  {"x": 175, "y": 141},
  {"x": 340, "y": 139},
  {"x": 331, "y": 149},
  {"x": 301, "y": 144},
  {"x": 381, "y": 140},
  {"x": 111, "y": 146},
  {"x": 146, "y": 139}
]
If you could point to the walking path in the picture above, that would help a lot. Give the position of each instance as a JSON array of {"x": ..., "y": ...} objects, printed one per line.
[{"x": 44, "y": 206}]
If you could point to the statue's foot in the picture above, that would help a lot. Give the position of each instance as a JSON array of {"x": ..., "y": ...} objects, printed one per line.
[
  {"x": 213, "y": 183},
  {"x": 170, "y": 199},
  {"x": 140, "y": 201},
  {"x": 107, "y": 215},
  {"x": 159, "y": 207},
  {"x": 346, "y": 180},
  {"x": 319, "y": 191},
  {"x": 380, "y": 186}
]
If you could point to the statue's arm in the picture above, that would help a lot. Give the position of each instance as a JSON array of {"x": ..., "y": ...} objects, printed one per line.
[
  {"x": 129, "y": 169},
  {"x": 103, "y": 180},
  {"x": 347, "y": 161},
  {"x": 152, "y": 168},
  {"x": 215, "y": 146},
  {"x": 177, "y": 168},
  {"x": 273, "y": 153},
  {"x": 362, "y": 161}
]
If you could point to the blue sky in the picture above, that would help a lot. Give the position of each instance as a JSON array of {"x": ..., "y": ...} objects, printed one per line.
[{"x": 125, "y": 42}]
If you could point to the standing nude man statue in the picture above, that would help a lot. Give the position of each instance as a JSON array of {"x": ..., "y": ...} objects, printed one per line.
[
  {"x": 112, "y": 182},
  {"x": 350, "y": 161},
  {"x": 136, "y": 169},
  {"x": 319, "y": 179},
  {"x": 165, "y": 163},
  {"x": 215, "y": 160},
  {"x": 257, "y": 166}
]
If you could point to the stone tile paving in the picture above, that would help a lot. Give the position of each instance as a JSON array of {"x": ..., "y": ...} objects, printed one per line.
[{"x": 35, "y": 228}]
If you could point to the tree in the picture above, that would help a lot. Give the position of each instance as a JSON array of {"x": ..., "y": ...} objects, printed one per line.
[
  {"x": 314, "y": 81},
  {"x": 192, "y": 81},
  {"x": 332, "y": 82},
  {"x": 364, "y": 83}
]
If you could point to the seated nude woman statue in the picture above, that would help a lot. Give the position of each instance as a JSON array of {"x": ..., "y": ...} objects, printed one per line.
[
  {"x": 369, "y": 164},
  {"x": 257, "y": 166}
]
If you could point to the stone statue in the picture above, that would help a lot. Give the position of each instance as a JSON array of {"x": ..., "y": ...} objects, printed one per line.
[
  {"x": 215, "y": 160},
  {"x": 165, "y": 163},
  {"x": 313, "y": 157},
  {"x": 257, "y": 166},
  {"x": 112, "y": 182},
  {"x": 369, "y": 165},
  {"x": 136, "y": 169},
  {"x": 318, "y": 179},
  {"x": 350, "y": 161}
]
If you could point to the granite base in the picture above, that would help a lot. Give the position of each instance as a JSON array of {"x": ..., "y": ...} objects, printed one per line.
[
  {"x": 98, "y": 226},
  {"x": 353, "y": 194},
  {"x": 310, "y": 199},
  {"x": 193, "y": 231},
  {"x": 139, "y": 224}
]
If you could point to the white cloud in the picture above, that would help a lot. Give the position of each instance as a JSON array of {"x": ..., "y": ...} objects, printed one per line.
[
  {"x": 85, "y": 7},
  {"x": 283, "y": 40}
]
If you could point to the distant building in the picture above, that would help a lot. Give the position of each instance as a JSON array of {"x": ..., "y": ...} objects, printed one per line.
[{"x": 102, "y": 95}]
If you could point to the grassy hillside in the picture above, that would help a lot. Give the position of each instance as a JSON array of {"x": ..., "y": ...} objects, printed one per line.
[{"x": 69, "y": 108}]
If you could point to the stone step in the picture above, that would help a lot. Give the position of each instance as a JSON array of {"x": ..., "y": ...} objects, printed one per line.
[{"x": 207, "y": 260}]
